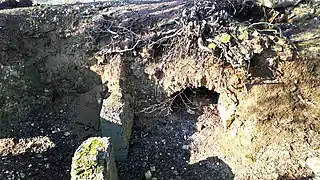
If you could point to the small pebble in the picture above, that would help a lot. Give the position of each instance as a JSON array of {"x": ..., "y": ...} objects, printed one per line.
[
  {"x": 294, "y": 89},
  {"x": 192, "y": 112},
  {"x": 199, "y": 127},
  {"x": 175, "y": 172},
  {"x": 185, "y": 147},
  {"x": 148, "y": 174},
  {"x": 47, "y": 166},
  {"x": 68, "y": 35},
  {"x": 153, "y": 168},
  {"x": 22, "y": 175}
]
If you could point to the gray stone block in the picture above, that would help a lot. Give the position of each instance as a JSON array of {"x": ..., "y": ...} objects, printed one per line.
[{"x": 116, "y": 118}]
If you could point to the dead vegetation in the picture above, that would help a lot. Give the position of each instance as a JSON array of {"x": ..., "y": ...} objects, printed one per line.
[
  {"x": 238, "y": 36},
  {"x": 223, "y": 30}
]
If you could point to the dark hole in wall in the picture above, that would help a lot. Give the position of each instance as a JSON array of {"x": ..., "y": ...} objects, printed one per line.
[
  {"x": 259, "y": 67},
  {"x": 165, "y": 142},
  {"x": 193, "y": 98},
  {"x": 249, "y": 11}
]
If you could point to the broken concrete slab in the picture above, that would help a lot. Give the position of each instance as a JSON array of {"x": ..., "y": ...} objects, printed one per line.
[{"x": 116, "y": 118}]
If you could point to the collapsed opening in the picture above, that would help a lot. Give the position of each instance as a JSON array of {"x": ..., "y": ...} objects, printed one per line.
[
  {"x": 193, "y": 98},
  {"x": 167, "y": 146}
]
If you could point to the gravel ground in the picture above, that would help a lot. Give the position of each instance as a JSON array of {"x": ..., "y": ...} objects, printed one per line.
[
  {"x": 162, "y": 147},
  {"x": 164, "y": 151},
  {"x": 41, "y": 145}
]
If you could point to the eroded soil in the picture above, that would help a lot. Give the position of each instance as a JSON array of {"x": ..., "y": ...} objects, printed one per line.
[{"x": 276, "y": 130}]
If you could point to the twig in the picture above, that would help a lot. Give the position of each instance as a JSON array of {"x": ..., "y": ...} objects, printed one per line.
[
  {"x": 159, "y": 41},
  {"x": 124, "y": 50},
  {"x": 169, "y": 32},
  {"x": 220, "y": 75},
  {"x": 261, "y": 23},
  {"x": 120, "y": 27},
  {"x": 166, "y": 105},
  {"x": 108, "y": 30},
  {"x": 234, "y": 8},
  {"x": 187, "y": 100}
]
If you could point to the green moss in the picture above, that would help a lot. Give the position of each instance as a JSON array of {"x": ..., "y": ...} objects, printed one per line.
[
  {"x": 250, "y": 158},
  {"x": 230, "y": 120},
  {"x": 87, "y": 164},
  {"x": 244, "y": 35},
  {"x": 225, "y": 38}
]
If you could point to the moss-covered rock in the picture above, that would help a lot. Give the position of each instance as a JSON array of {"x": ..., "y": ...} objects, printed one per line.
[{"x": 94, "y": 160}]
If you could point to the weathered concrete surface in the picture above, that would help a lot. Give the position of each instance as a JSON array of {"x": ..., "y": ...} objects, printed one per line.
[
  {"x": 94, "y": 159},
  {"x": 116, "y": 115},
  {"x": 116, "y": 122}
]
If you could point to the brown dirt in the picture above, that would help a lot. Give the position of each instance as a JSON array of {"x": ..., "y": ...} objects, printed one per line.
[
  {"x": 164, "y": 145},
  {"x": 277, "y": 125},
  {"x": 49, "y": 107}
]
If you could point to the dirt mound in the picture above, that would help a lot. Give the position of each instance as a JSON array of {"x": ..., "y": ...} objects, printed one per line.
[{"x": 262, "y": 62}]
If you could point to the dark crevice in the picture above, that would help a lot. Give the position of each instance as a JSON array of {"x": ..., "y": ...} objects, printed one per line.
[{"x": 189, "y": 97}]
